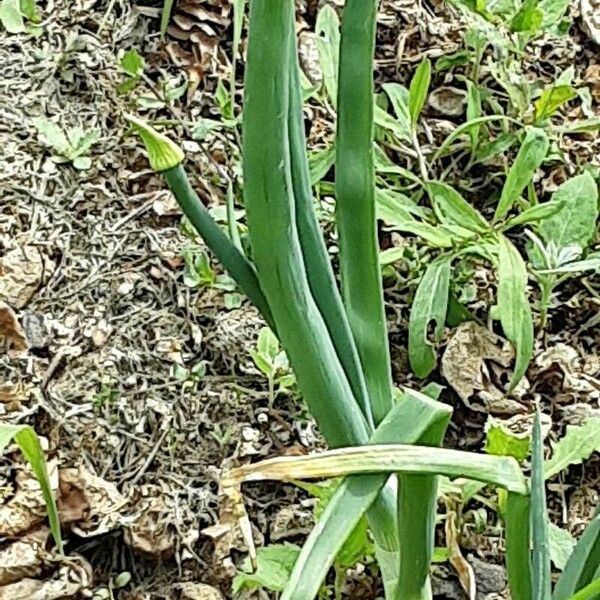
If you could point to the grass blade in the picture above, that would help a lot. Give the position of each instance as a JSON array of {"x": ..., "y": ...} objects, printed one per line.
[
  {"x": 356, "y": 494},
  {"x": 165, "y": 17},
  {"x": 518, "y": 554},
  {"x": 583, "y": 563},
  {"x": 530, "y": 156},
  {"x": 222, "y": 246},
  {"x": 355, "y": 210},
  {"x": 29, "y": 443},
  {"x": 540, "y": 559}
]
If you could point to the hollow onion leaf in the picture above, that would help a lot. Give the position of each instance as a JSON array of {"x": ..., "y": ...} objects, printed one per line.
[
  {"x": 355, "y": 494},
  {"x": 502, "y": 471},
  {"x": 417, "y": 508},
  {"x": 29, "y": 444},
  {"x": 540, "y": 555},
  {"x": 271, "y": 213},
  {"x": 581, "y": 568},
  {"x": 272, "y": 223},
  {"x": 230, "y": 256},
  {"x": 513, "y": 306},
  {"x": 355, "y": 202},
  {"x": 319, "y": 272},
  {"x": 518, "y": 555}
]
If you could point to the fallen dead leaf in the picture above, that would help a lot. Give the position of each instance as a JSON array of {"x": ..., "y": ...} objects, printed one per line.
[
  {"x": 21, "y": 272},
  {"x": 590, "y": 19},
  {"x": 70, "y": 580},
  {"x": 466, "y": 368},
  {"x": 26, "y": 508},
  {"x": 23, "y": 558},
  {"x": 592, "y": 78},
  {"x": 198, "y": 591},
  {"x": 89, "y": 504},
  {"x": 12, "y": 336},
  {"x": 13, "y": 396},
  {"x": 233, "y": 530},
  {"x": 564, "y": 373},
  {"x": 153, "y": 532},
  {"x": 448, "y": 101},
  {"x": 463, "y": 569}
]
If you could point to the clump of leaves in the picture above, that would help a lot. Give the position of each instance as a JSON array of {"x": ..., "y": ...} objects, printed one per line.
[
  {"x": 71, "y": 145},
  {"x": 271, "y": 360},
  {"x": 163, "y": 94},
  {"x": 20, "y": 16}
]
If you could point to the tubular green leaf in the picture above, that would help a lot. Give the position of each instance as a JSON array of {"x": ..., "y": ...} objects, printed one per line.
[
  {"x": 224, "y": 248},
  {"x": 518, "y": 556},
  {"x": 417, "y": 508},
  {"x": 314, "y": 252},
  {"x": 356, "y": 494},
  {"x": 163, "y": 153},
  {"x": 271, "y": 214},
  {"x": 582, "y": 564},
  {"x": 355, "y": 210},
  {"x": 540, "y": 559}
]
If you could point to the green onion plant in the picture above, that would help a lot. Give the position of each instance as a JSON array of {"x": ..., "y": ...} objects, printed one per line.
[{"x": 385, "y": 442}]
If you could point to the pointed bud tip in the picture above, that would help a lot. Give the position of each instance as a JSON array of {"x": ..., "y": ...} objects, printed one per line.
[{"x": 163, "y": 153}]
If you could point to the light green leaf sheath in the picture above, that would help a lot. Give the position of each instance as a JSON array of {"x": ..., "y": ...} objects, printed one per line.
[
  {"x": 540, "y": 560},
  {"x": 513, "y": 305},
  {"x": 355, "y": 203},
  {"x": 356, "y": 494},
  {"x": 320, "y": 275},
  {"x": 530, "y": 156}
]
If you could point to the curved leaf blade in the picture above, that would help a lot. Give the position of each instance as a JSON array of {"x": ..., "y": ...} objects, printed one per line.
[
  {"x": 514, "y": 309},
  {"x": 430, "y": 305}
]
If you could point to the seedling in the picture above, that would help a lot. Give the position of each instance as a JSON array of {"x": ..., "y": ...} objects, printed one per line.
[
  {"x": 71, "y": 145},
  {"x": 271, "y": 360}
]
